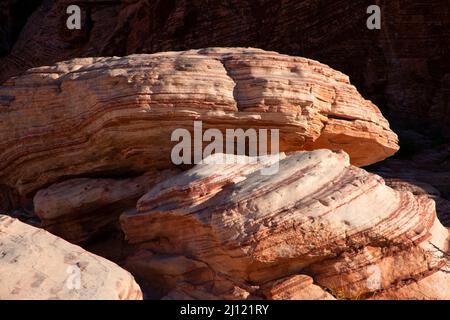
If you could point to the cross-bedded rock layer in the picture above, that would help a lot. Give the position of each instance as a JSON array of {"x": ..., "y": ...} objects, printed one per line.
[
  {"x": 94, "y": 116},
  {"x": 318, "y": 216},
  {"x": 81, "y": 209}
]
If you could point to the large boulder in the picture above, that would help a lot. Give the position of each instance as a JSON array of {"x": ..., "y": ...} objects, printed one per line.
[
  {"x": 111, "y": 116},
  {"x": 318, "y": 216},
  {"x": 35, "y": 264}
]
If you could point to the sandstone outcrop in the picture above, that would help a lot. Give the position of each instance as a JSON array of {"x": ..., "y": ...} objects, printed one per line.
[
  {"x": 432, "y": 287},
  {"x": 35, "y": 264},
  {"x": 403, "y": 67},
  {"x": 89, "y": 139},
  {"x": 116, "y": 115},
  {"x": 421, "y": 188},
  {"x": 80, "y": 209},
  {"x": 298, "y": 287},
  {"x": 318, "y": 216},
  {"x": 427, "y": 172}
]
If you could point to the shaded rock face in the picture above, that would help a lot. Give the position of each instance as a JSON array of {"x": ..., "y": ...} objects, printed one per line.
[
  {"x": 39, "y": 265},
  {"x": 92, "y": 116},
  {"x": 8, "y": 199},
  {"x": 421, "y": 188},
  {"x": 298, "y": 287},
  {"x": 13, "y": 17},
  {"x": 402, "y": 67},
  {"x": 81, "y": 209},
  {"x": 319, "y": 216},
  {"x": 427, "y": 173}
]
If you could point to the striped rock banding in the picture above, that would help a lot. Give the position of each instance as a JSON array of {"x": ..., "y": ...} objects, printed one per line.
[
  {"x": 81, "y": 209},
  {"x": 112, "y": 116},
  {"x": 318, "y": 216},
  {"x": 297, "y": 287}
]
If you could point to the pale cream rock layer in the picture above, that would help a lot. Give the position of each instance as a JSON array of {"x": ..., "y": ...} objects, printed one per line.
[
  {"x": 115, "y": 115},
  {"x": 318, "y": 216},
  {"x": 35, "y": 264}
]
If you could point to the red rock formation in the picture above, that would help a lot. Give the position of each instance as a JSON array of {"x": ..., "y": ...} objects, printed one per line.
[
  {"x": 116, "y": 115},
  {"x": 317, "y": 228},
  {"x": 80, "y": 209},
  {"x": 427, "y": 173},
  {"x": 298, "y": 287},
  {"x": 35, "y": 264},
  {"x": 318, "y": 216},
  {"x": 434, "y": 286},
  {"x": 402, "y": 67}
]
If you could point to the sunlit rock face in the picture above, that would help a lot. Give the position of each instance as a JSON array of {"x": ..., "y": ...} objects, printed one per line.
[
  {"x": 115, "y": 115},
  {"x": 318, "y": 216},
  {"x": 37, "y": 265}
]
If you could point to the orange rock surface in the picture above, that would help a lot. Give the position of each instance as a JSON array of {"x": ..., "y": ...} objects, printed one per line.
[
  {"x": 318, "y": 216},
  {"x": 116, "y": 115}
]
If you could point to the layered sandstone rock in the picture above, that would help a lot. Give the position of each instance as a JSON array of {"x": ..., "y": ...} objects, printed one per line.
[
  {"x": 116, "y": 115},
  {"x": 298, "y": 287},
  {"x": 404, "y": 66},
  {"x": 421, "y": 188},
  {"x": 434, "y": 286},
  {"x": 80, "y": 209},
  {"x": 427, "y": 172},
  {"x": 35, "y": 264},
  {"x": 317, "y": 216}
]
